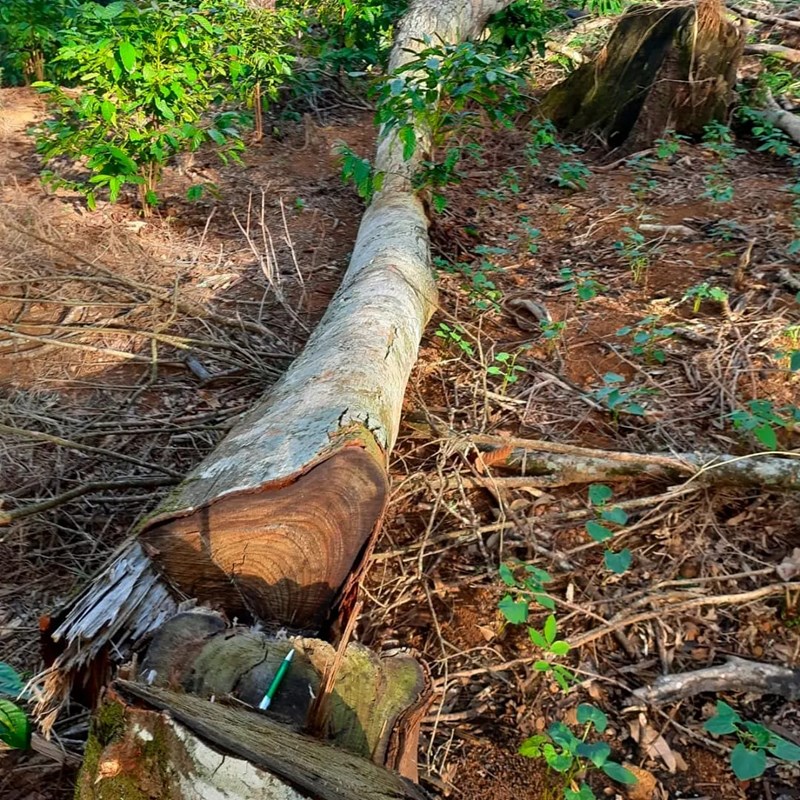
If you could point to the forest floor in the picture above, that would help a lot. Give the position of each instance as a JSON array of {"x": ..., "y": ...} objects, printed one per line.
[{"x": 131, "y": 344}]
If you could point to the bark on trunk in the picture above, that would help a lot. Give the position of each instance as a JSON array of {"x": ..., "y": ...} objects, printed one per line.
[{"x": 663, "y": 68}]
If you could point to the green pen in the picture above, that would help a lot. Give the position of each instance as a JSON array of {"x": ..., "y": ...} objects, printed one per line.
[{"x": 276, "y": 681}]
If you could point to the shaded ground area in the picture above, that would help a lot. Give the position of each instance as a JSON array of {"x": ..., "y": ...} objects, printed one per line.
[{"x": 107, "y": 347}]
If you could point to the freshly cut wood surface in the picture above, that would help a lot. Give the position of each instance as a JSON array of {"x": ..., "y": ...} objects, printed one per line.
[{"x": 278, "y": 554}]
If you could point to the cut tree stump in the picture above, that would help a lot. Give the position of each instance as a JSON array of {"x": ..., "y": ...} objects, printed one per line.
[{"x": 663, "y": 68}]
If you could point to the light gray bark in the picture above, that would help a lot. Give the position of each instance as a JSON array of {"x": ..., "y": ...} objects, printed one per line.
[{"x": 789, "y": 123}]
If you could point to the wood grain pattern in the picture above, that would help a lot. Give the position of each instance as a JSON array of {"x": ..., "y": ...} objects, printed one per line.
[{"x": 279, "y": 554}]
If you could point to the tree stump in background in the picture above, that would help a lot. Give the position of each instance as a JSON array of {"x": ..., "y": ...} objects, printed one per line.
[{"x": 664, "y": 68}]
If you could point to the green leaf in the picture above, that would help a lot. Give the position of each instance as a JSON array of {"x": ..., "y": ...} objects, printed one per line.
[
  {"x": 560, "y": 762},
  {"x": 596, "y": 752},
  {"x": 107, "y": 109},
  {"x": 780, "y": 748},
  {"x": 598, "y": 532},
  {"x": 616, "y": 515},
  {"x": 515, "y": 611},
  {"x": 168, "y": 113},
  {"x": 507, "y": 576},
  {"x": 10, "y": 681},
  {"x": 599, "y": 494},
  {"x": 127, "y": 55},
  {"x": 195, "y": 192},
  {"x": 766, "y": 435},
  {"x": 588, "y": 713},
  {"x": 409, "y": 139},
  {"x": 724, "y": 721},
  {"x": 747, "y": 764},
  {"x": 618, "y": 773},
  {"x": 559, "y": 648},
  {"x": 618, "y": 562},
  {"x": 532, "y": 747},
  {"x": 550, "y": 629},
  {"x": 15, "y": 728},
  {"x": 537, "y": 638},
  {"x": 794, "y": 361}
]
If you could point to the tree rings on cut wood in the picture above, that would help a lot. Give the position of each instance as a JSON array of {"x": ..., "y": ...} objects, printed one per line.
[
  {"x": 664, "y": 68},
  {"x": 279, "y": 554}
]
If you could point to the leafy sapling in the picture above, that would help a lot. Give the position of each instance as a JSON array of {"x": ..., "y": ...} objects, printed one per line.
[
  {"x": 748, "y": 758},
  {"x": 583, "y": 283},
  {"x": 762, "y": 419},
  {"x": 617, "y": 399},
  {"x": 505, "y": 367},
  {"x": 597, "y": 528},
  {"x": 573, "y": 757},
  {"x": 705, "y": 291},
  {"x": 647, "y": 334},
  {"x": 515, "y": 606},
  {"x": 455, "y": 335}
]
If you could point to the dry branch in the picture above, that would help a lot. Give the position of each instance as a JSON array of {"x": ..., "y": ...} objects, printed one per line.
[
  {"x": 554, "y": 464},
  {"x": 14, "y": 514},
  {"x": 735, "y": 675},
  {"x": 769, "y": 19},
  {"x": 789, "y": 123},
  {"x": 777, "y": 50}
]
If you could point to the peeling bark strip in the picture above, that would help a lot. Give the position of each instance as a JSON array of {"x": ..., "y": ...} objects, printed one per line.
[{"x": 279, "y": 516}]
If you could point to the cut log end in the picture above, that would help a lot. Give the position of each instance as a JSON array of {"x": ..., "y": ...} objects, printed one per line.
[{"x": 281, "y": 554}]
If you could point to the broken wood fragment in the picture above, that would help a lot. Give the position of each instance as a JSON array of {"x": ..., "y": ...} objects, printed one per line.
[{"x": 735, "y": 675}]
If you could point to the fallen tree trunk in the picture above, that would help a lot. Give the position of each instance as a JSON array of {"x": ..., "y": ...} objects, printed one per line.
[
  {"x": 273, "y": 523},
  {"x": 671, "y": 67},
  {"x": 273, "y": 527}
]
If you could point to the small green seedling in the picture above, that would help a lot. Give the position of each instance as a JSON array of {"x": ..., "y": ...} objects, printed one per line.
[
  {"x": 455, "y": 335},
  {"x": 15, "y": 727},
  {"x": 705, "y": 291},
  {"x": 647, "y": 335},
  {"x": 505, "y": 367},
  {"x": 597, "y": 528},
  {"x": 583, "y": 283},
  {"x": 617, "y": 399},
  {"x": 761, "y": 419},
  {"x": 552, "y": 332},
  {"x": 573, "y": 757},
  {"x": 515, "y": 606},
  {"x": 573, "y": 175},
  {"x": 749, "y": 757},
  {"x": 635, "y": 252}
]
